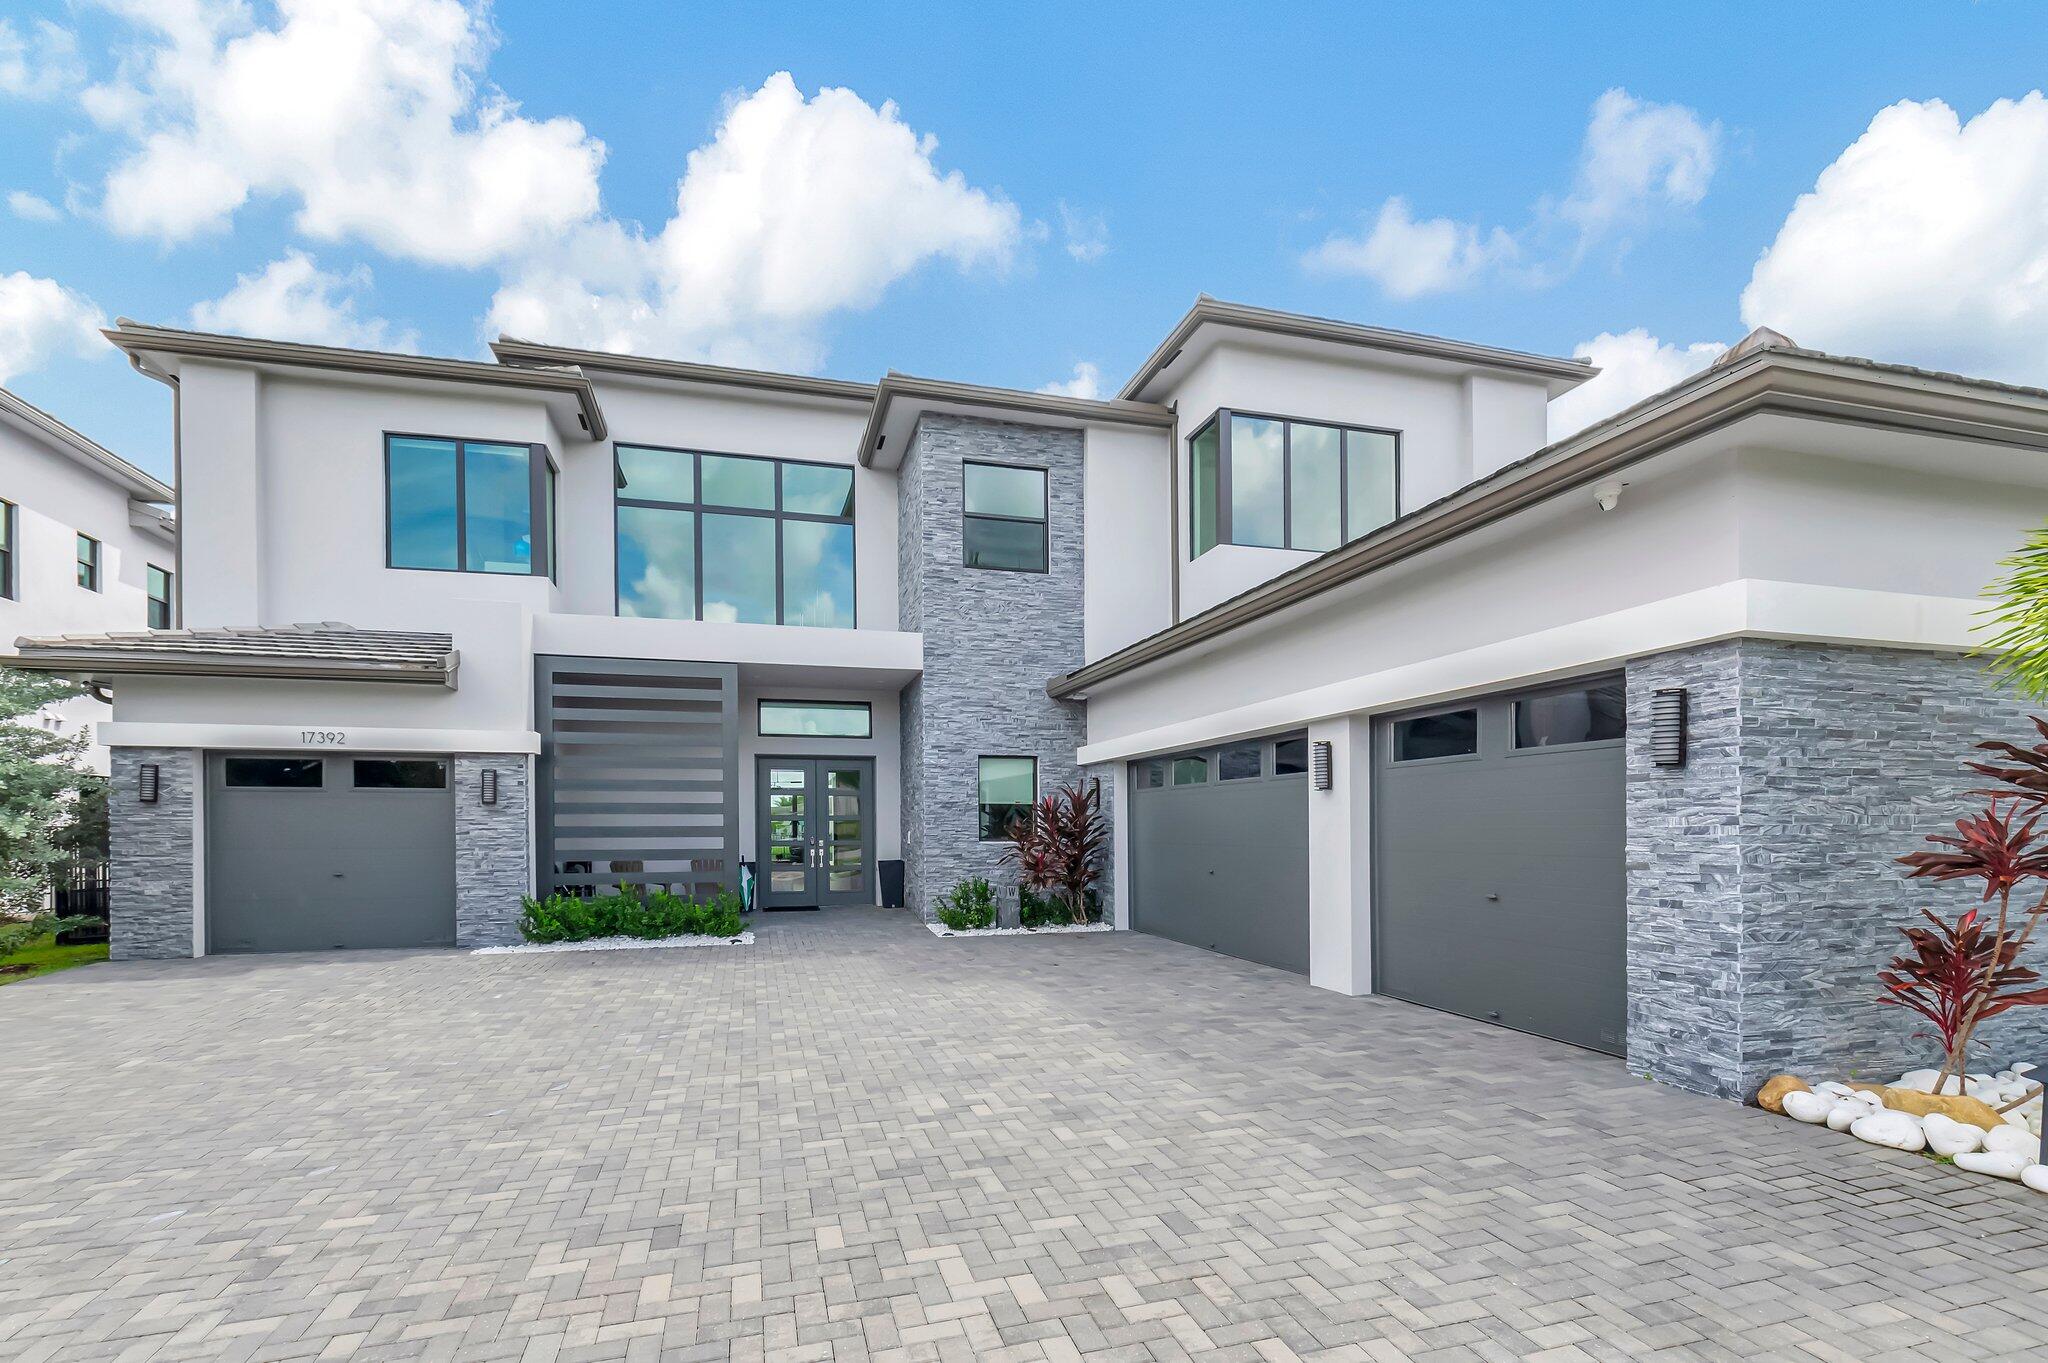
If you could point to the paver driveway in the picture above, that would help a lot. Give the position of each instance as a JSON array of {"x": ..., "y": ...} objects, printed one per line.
[{"x": 855, "y": 1140}]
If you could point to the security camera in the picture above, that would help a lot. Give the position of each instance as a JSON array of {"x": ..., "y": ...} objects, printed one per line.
[{"x": 1608, "y": 495}]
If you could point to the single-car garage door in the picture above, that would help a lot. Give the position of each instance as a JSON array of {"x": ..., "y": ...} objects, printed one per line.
[
  {"x": 1499, "y": 881},
  {"x": 306, "y": 853},
  {"x": 1219, "y": 849}
]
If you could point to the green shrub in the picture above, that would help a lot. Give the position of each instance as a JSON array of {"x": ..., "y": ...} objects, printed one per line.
[
  {"x": 970, "y": 904},
  {"x": 1039, "y": 911},
  {"x": 648, "y": 913}
]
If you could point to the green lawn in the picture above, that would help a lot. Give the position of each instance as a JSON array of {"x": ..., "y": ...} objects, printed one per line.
[{"x": 44, "y": 956}]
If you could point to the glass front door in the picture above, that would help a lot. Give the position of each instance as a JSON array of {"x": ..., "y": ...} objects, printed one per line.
[{"x": 816, "y": 831}]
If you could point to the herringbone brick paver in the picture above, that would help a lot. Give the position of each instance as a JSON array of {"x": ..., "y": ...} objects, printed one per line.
[{"x": 855, "y": 1141}]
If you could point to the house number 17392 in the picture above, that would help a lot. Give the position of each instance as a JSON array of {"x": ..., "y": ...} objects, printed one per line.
[{"x": 322, "y": 738}]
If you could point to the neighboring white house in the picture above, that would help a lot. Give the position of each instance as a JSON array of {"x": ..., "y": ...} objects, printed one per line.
[
  {"x": 1611, "y": 740},
  {"x": 87, "y": 544}
]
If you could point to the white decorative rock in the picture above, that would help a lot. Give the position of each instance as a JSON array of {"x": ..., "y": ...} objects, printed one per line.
[
  {"x": 1895, "y": 1129},
  {"x": 1846, "y": 1111},
  {"x": 1920, "y": 1080},
  {"x": 1835, "y": 1089},
  {"x": 1997, "y": 1163},
  {"x": 1945, "y": 1136},
  {"x": 1808, "y": 1107},
  {"x": 2022, "y": 1069},
  {"x": 2035, "y": 1176},
  {"x": 2014, "y": 1140}
]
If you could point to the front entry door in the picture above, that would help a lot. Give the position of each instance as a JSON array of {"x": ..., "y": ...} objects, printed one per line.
[{"x": 816, "y": 822}]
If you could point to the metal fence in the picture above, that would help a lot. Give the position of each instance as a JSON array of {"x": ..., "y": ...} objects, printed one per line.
[{"x": 80, "y": 890}]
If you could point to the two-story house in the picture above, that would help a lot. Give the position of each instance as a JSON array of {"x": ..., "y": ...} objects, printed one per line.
[
  {"x": 87, "y": 545},
  {"x": 1611, "y": 739}
]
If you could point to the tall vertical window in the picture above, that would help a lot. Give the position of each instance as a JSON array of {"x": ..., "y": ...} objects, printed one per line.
[
  {"x": 468, "y": 506},
  {"x": 1003, "y": 523},
  {"x": 1272, "y": 483},
  {"x": 1006, "y": 788},
  {"x": 159, "y": 598},
  {"x": 88, "y": 563},
  {"x": 734, "y": 538},
  {"x": 8, "y": 534}
]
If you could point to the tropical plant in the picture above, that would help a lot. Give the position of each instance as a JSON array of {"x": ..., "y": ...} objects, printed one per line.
[
  {"x": 1958, "y": 977},
  {"x": 969, "y": 905},
  {"x": 40, "y": 777},
  {"x": 1060, "y": 846},
  {"x": 2019, "y": 649}
]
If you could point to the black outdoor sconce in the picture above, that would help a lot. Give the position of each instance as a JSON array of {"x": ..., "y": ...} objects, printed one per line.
[
  {"x": 489, "y": 792},
  {"x": 1667, "y": 726},
  {"x": 146, "y": 779},
  {"x": 1319, "y": 764}
]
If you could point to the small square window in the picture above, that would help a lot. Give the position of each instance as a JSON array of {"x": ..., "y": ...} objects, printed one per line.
[
  {"x": 1290, "y": 757},
  {"x": 1004, "y": 525},
  {"x": 1452, "y": 734},
  {"x": 1190, "y": 771},
  {"x": 1151, "y": 775},
  {"x": 1007, "y": 787}
]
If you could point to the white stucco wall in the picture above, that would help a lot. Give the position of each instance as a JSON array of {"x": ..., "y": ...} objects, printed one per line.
[
  {"x": 56, "y": 499},
  {"x": 1127, "y": 550}
]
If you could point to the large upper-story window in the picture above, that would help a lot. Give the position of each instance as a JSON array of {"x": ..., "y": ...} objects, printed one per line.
[
  {"x": 1271, "y": 483},
  {"x": 734, "y": 538},
  {"x": 468, "y": 506}
]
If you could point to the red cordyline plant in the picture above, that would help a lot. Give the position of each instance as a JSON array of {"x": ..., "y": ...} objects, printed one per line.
[
  {"x": 1957, "y": 976},
  {"x": 1059, "y": 846}
]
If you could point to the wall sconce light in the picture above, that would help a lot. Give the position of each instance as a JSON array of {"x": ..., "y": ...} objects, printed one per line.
[
  {"x": 146, "y": 782},
  {"x": 490, "y": 786},
  {"x": 1667, "y": 726},
  {"x": 1319, "y": 764}
]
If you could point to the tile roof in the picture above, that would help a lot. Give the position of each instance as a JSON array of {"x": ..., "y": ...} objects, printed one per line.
[{"x": 326, "y": 649}]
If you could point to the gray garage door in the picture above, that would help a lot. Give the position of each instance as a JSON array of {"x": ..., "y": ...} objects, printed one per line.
[
  {"x": 1499, "y": 882},
  {"x": 1219, "y": 849},
  {"x": 305, "y": 853}
]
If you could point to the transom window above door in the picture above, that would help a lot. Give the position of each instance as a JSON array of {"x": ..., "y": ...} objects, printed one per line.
[
  {"x": 1273, "y": 483},
  {"x": 736, "y": 539}
]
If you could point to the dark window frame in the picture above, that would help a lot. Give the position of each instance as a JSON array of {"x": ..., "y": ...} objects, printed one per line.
[
  {"x": 319, "y": 767},
  {"x": 10, "y": 551},
  {"x": 155, "y": 601},
  {"x": 90, "y": 565},
  {"x": 1220, "y": 420},
  {"x": 979, "y": 806},
  {"x": 761, "y": 723},
  {"x": 442, "y": 764},
  {"x": 1394, "y": 734},
  {"x": 1515, "y": 701},
  {"x": 1044, "y": 523},
  {"x": 699, "y": 508},
  {"x": 540, "y": 464}
]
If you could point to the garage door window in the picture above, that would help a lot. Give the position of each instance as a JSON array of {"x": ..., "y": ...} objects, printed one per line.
[
  {"x": 1190, "y": 771},
  {"x": 1239, "y": 762},
  {"x": 1151, "y": 775},
  {"x": 272, "y": 773},
  {"x": 1452, "y": 734},
  {"x": 401, "y": 773},
  {"x": 1290, "y": 757},
  {"x": 1587, "y": 714}
]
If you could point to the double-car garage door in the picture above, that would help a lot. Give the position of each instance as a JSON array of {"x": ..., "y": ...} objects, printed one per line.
[
  {"x": 1498, "y": 882},
  {"x": 311, "y": 852}
]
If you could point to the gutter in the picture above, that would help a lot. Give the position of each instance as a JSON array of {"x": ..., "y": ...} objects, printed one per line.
[
  {"x": 516, "y": 353},
  {"x": 1085, "y": 411},
  {"x": 132, "y": 336},
  {"x": 1797, "y": 383}
]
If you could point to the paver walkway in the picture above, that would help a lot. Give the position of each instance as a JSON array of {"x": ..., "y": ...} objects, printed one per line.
[{"x": 856, "y": 1140}]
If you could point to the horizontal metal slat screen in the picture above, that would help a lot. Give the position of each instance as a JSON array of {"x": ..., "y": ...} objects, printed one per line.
[{"x": 639, "y": 774}]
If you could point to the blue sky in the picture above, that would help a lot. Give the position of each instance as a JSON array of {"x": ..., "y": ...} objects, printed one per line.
[{"x": 1095, "y": 167}]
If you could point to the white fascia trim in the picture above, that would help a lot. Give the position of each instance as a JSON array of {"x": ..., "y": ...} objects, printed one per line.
[
  {"x": 354, "y": 738},
  {"x": 1794, "y": 611}
]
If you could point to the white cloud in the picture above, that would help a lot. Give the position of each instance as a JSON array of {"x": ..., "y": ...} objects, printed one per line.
[
  {"x": 31, "y": 207},
  {"x": 39, "y": 65},
  {"x": 40, "y": 318},
  {"x": 373, "y": 117},
  {"x": 1633, "y": 365},
  {"x": 293, "y": 299},
  {"x": 1086, "y": 234},
  {"x": 1637, "y": 157},
  {"x": 1408, "y": 258},
  {"x": 795, "y": 209},
  {"x": 1086, "y": 382},
  {"x": 1926, "y": 241}
]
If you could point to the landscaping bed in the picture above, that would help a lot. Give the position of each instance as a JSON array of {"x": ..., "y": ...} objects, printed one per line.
[
  {"x": 633, "y": 918},
  {"x": 1992, "y": 1127},
  {"x": 941, "y": 930},
  {"x": 740, "y": 939}
]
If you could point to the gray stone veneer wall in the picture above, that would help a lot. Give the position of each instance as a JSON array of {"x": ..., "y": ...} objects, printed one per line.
[
  {"x": 991, "y": 639},
  {"x": 153, "y": 849},
  {"x": 1764, "y": 892},
  {"x": 492, "y": 858}
]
